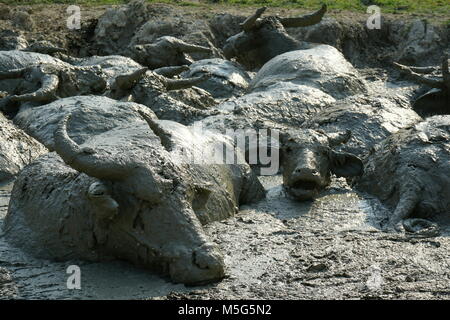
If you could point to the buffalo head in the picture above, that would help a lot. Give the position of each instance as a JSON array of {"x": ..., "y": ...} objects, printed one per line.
[
  {"x": 263, "y": 39},
  {"x": 142, "y": 204},
  {"x": 308, "y": 159}
]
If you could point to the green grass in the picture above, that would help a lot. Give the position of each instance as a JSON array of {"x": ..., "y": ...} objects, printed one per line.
[
  {"x": 98, "y": 2},
  {"x": 389, "y": 6}
]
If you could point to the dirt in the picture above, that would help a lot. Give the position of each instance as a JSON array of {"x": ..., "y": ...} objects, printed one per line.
[
  {"x": 50, "y": 21},
  {"x": 330, "y": 248}
]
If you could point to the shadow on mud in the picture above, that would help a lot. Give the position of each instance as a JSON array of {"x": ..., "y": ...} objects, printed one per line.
[
  {"x": 338, "y": 207},
  {"x": 433, "y": 102}
]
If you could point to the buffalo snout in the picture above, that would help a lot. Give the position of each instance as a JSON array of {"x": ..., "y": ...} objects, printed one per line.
[{"x": 202, "y": 265}]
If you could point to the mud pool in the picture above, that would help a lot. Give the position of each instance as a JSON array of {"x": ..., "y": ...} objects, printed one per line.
[
  {"x": 277, "y": 249},
  {"x": 329, "y": 248}
]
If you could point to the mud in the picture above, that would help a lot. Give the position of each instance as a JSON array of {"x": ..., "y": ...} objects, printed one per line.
[{"x": 330, "y": 248}]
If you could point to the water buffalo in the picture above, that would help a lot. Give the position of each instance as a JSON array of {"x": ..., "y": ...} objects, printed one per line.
[
  {"x": 131, "y": 194},
  {"x": 410, "y": 172},
  {"x": 371, "y": 120},
  {"x": 36, "y": 79},
  {"x": 228, "y": 79},
  {"x": 17, "y": 149},
  {"x": 90, "y": 116},
  {"x": 165, "y": 51},
  {"x": 293, "y": 87},
  {"x": 437, "y": 100},
  {"x": 264, "y": 39}
]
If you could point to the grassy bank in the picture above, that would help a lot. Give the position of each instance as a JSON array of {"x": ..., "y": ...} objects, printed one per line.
[{"x": 389, "y": 6}]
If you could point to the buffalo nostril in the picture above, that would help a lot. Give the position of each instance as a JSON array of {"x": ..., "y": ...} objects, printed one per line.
[{"x": 306, "y": 171}]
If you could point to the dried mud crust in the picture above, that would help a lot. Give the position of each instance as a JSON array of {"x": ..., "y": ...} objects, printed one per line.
[{"x": 50, "y": 21}]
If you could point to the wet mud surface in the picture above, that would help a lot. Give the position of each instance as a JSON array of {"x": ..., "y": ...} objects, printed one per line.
[{"x": 330, "y": 248}]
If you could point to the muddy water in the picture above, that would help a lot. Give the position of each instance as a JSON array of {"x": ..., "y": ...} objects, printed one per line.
[
  {"x": 330, "y": 248},
  {"x": 278, "y": 248}
]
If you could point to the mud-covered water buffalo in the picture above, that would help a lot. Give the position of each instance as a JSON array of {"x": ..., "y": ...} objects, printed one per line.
[
  {"x": 295, "y": 86},
  {"x": 36, "y": 79},
  {"x": 264, "y": 39},
  {"x": 90, "y": 116},
  {"x": 172, "y": 99},
  {"x": 437, "y": 100},
  {"x": 370, "y": 118},
  {"x": 131, "y": 194},
  {"x": 322, "y": 67},
  {"x": 41, "y": 79},
  {"x": 17, "y": 149},
  {"x": 410, "y": 172},
  {"x": 165, "y": 51},
  {"x": 308, "y": 160},
  {"x": 306, "y": 157},
  {"x": 228, "y": 79}
]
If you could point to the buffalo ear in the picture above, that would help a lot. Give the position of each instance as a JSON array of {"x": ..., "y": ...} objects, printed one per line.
[{"x": 345, "y": 164}]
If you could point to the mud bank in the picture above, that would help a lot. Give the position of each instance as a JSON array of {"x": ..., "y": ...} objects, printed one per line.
[
  {"x": 330, "y": 248},
  {"x": 411, "y": 39}
]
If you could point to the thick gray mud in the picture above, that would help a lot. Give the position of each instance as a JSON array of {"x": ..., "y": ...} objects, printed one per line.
[{"x": 330, "y": 248}]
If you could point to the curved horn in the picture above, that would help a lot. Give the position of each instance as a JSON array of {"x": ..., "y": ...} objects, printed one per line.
[
  {"x": 47, "y": 92},
  {"x": 83, "y": 159},
  {"x": 44, "y": 47},
  {"x": 127, "y": 81},
  {"x": 306, "y": 20},
  {"x": 191, "y": 48},
  {"x": 433, "y": 83},
  {"x": 164, "y": 135},
  {"x": 250, "y": 22},
  {"x": 176, "y": 84},
  {"x": 339, "y": 138},
  {"x": 171, "y": 71},
  {"x": 423, "y": 70}
]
